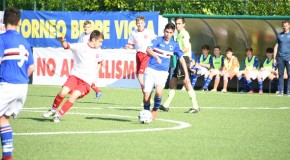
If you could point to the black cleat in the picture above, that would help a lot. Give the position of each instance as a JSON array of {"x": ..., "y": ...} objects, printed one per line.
[
  {"x": 192, "y": 110},
  {"x": 165, "y": 109}
]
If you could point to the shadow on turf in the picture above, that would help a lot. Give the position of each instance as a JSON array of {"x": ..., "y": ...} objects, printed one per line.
[
  {"x": 37, "y": 119},
  {"x": 128, "y": 109},
  {"x": 109, "y": 119}
]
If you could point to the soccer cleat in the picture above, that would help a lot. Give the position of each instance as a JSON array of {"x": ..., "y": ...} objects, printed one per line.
[
  {"x": 280, "y": 94},
  {"x": 154, "y": 114},
  {"x": 56, "y": 119},
  {"x": 213, "y": 90},
  {"x": 98, "y": 94},
  {"x": 224, "y": 91},
  {"x": 260, "y": 92},
  {"x": 165, "y": 109},
  {"x": 193, "y": 110},
  {"x": 49, "y": 113}
]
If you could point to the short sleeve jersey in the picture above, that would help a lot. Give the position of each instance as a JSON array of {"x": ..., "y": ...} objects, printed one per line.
[
  {"x": 141, "y": 40},
  {"x": 16, "y": 55},
  {"x": 84, "y": 38},
  {"x": 164, "y": 50},
  {"x": 183, "y": 40}
]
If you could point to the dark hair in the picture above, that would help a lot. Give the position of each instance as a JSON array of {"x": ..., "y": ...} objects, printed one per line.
[
  {"x": 87, "y": 22},
  {"x": 229, "y": 49},
  {"x": 249, "y": 49},
  {"x": 170, "y": 26},
  {"x": 205, "y": 46},
  {"x": 96, "y": 34},
  {"x": 269, "y": 50},
  {"x": 183, "y": 20},
  {"x": 285, "y": 21},
  {"x": 217, "y": 47},
  {"x": 11, "y": 16}
]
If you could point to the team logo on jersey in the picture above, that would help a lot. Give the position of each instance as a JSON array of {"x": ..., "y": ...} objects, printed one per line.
[{"x": 171, "y": 47}]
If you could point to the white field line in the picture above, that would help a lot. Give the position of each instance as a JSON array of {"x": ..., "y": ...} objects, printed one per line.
[{"x": 180, "y": 125}]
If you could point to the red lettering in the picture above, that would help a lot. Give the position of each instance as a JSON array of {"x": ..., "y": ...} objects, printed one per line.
[
  {"x": 64, "y": 68},
  {"x": 129, "y": 70},
  {"x": 119, "y": 70},
  {"x": 44, "y": 67},
  {"x": 107, "y": 73}
]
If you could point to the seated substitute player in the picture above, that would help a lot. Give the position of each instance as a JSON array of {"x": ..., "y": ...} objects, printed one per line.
[
  {"x": 203, "y": 64},
  {"x": 85, "y": 38},
  {"x": 251, "y": 71},
  {"x": 267, "y": 70},
  {"x": 156, "y": 73},
  {"x": 185, "y": 46},
  {"x": 17, "y": 65},
  {"x": 82, "y": 75},
  {"x": 218, "y": 63},
  {"x": 230, "y": 69}
]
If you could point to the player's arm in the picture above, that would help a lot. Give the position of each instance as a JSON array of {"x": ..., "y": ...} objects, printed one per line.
[
  {"x": 31, "y": 69},
  {"x": 154, "y": 55},
  {"x": 186, "y": 43},
  {"x": 275, "y": 53},
  {"x": 63, "y": 42},
  {"x": 130, "y": 42}
]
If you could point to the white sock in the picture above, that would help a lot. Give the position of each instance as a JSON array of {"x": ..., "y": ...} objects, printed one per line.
[{"x": 169, "y": 99}]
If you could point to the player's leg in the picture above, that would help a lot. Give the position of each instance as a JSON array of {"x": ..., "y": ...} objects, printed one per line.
[
  {"x": 260, "y": 81},
  {"x": 149, "y": 82},
  {"x": 192, "y": 95},
  {"x": 6, "y": 138},
  {"x": 212, "y": 73},
  {"x": 281, "y": 66},
  {"x": 249, "y": 82},
  {"x": 216, "y": 81},
  {"x": 97, "y": 90},
  {"x": 60, "y": 96},
  {"x": 142, "y": 62},
  {"x": 287, "y": 64},
  {"x": 172, "y": 87},
  {"x": 226, "y": 78}
]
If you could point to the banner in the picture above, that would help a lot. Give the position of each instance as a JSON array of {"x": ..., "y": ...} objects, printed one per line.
[
  {"x": 53, "y": 65},
  {"x": 42, "y": 28}
]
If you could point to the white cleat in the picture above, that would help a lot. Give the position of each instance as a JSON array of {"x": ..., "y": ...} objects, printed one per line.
[
  {"x": 49, "y": 113},
  {"x": 56, "y": 119}
]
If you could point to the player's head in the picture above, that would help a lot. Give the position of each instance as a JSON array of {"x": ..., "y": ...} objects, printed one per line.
[
  {"x": 87, "y": 27},
  {"x": 140, "y": 22},
  {"x": 205, "y": 49},
  {"x": 180, "y": 23},
  {"x": 249, "y": 51},
  {"x": 169, "y": 31},
  {"x": 96, "y": 38},
  {"x": 11, "y": 16},
  {"x": 217, "y": 50},
  {"x": 285, "y": 25},
  {"x": 229, "y": 52},
  {"x": 269, "y": 52}
]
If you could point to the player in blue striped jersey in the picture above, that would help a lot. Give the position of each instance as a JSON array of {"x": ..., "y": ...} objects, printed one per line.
[
  {"x": 16, "y": 66},
  {"x": 156, "y": 73}
]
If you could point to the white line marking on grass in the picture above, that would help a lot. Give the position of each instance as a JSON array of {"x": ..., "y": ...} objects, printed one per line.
[
  {"x": 181, "y": 125},
  {"x": 220, "y": 108}
]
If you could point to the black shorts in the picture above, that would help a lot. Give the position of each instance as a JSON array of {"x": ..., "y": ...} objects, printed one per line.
[{"x": 178, "y": 71}]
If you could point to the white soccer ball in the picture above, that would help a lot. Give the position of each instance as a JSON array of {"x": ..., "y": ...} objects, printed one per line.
[{"x": 145, "y": 116}]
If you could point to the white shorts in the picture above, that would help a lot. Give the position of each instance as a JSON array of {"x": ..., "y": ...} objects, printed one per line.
[
  {"x": 264, "y": 74},
  {"x": 12, "y": 98},
  {"x": 201, "y": 70},
  {"x": 216, "y": 71},
  {"x": 153, "y": 78},
  {"x": 253, "y": 74}
]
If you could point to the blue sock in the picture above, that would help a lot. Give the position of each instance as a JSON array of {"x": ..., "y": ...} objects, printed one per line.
[
  {"x": 157, "y": 102},
  {"x": 278, "y": 88},
  {"x": 147, "y": 106},
  {"x": 250, "y": 85},
  {"x": 245, "y": 84},
  {"x": 261, "y": 85},
  {"x": 208, "y": 80},
  {"x": 7, "y": 140},
  {"x": 193, "y": 79}
]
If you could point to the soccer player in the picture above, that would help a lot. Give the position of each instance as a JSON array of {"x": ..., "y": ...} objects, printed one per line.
[
  {"x": 82, "y": 75},
  {"x": 251, "y": 71},
  {"x": 230, "y": 69},
  {"x": 184, "y": 44},
  {"x": 17, "y": 65},
  {"x": 218, "y": 63},
  {"x": 283, "y": 48},
  {"x": 141, "y": 38},
  {"x": 85, "y": 38},
  {"x": 160, "y": 51},
  {"x": 267, "y": 70},
  {"x": 203, "y": 64}
]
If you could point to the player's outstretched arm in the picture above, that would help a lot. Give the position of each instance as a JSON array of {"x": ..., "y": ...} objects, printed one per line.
[{"x": 63, "y": 43}]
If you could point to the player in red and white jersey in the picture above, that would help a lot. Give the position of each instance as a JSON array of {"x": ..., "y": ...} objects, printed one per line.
[
  {"x": 82, "y": 75},
  {"x": 141, "y": 38}
]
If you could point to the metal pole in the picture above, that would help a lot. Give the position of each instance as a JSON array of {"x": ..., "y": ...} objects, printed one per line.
[
  {"x": 34, "y": 5},
  {"x": 62, "y": 5}
]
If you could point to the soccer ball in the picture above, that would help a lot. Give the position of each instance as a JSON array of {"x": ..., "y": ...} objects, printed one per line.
[{"x": 145, "y": 116}]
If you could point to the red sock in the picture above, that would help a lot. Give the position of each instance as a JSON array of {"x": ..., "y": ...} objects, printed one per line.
[
  {"x": 7, "y": 158},
  {"x": 57, "y": 101},
  {"x": 95, "y": 88},
  {"x": 66, "y": 106}
]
